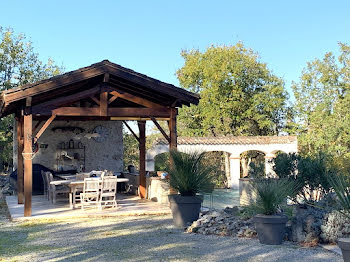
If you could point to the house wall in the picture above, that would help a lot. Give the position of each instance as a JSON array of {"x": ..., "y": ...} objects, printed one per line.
[{"x": 98, "y": 155}]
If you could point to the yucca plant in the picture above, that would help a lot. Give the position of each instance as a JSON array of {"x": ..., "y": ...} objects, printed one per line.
[
  {"x": 271, "y": 194},
  {"x": 341, "y": 187},
  {"x": 189, "y": 174}
]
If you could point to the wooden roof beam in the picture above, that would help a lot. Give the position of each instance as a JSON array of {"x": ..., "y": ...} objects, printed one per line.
[
  {"x": 160, "y": 129},
  {"x": 55, "y": 83},
  {"x": 153, "y": 84},
  {"x": 132, "y": 131},
  {"x": 43, "y": 128},
  {"x": 65, "y": 100},
  {"x": 111, "y": 112},
  {"x": 136, "y": 99},
  {"x": 121, "y": 86}
]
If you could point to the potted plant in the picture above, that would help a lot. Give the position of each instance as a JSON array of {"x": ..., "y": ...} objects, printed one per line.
[
  {"x": 270, "y": 195},
  {"x": 189, "y": 175},
  {"x": 341, "y": 187}
]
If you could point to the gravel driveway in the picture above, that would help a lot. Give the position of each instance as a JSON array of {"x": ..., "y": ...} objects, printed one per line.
[{"x": 146, "y": 238}]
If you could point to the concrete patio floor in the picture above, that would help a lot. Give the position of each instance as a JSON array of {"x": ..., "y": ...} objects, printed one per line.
[{"x": 127, "y": 205}]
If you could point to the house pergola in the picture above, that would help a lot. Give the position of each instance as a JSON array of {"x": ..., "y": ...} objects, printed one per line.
[{"x": 102, "y": 91}]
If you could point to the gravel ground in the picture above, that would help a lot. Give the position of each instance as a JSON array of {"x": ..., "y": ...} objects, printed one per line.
[{"x": 144, "y": 238}]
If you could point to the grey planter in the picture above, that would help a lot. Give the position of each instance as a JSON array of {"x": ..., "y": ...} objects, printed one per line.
[
  {"x": 270, "y": 229},
  {"x": 344, "y": 245},
  {"x": 185, "y": 209}
]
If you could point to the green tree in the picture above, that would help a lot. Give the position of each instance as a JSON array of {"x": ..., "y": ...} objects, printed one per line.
[
  {"x": 322, "y": 102},
  {"x": 19, "y": 65},
  {"x": 239, "y": 94}
]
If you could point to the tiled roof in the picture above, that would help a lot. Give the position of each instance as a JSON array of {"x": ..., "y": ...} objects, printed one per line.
[{"x": 229, "y": 140}]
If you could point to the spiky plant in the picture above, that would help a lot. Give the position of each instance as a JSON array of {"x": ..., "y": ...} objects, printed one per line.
[
  {"x": 189, "y": 174},
  {"x": 271, "y": 194},
  {"x": 341, "y": 187}
]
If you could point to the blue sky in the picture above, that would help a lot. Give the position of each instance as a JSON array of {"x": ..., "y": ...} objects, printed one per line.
[{"x": 148, "y": 36}]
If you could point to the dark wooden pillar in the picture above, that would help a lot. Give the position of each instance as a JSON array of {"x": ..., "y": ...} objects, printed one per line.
[
  {"x": 28, "y": 167},
  {"x": 172, "y": 128},
  {"x": 103, "y": 104},
  {"x": 142, "y": 147},
  {"x": 173, "y": 137},
  {"x": 20, "y": 176}
]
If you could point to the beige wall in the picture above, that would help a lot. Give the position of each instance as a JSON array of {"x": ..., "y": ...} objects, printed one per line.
[{"x": 98, "y": 156}]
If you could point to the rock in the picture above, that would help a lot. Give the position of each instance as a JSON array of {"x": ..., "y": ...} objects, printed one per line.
[
  {"x": 250, "y": 233},
  {"x": 215, "y": 214},
  {"x": 5, "y": 186}
]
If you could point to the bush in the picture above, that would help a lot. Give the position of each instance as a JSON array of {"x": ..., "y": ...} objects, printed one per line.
[
  {"x": 271, "y": 194},
  {"x": 310, "y": 174},
  {"x": 189, "y": 174},
  {"x": 161, "y": 162}
]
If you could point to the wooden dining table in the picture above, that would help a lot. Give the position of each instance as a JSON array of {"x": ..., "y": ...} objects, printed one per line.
[{"x": 74, "y": 184}]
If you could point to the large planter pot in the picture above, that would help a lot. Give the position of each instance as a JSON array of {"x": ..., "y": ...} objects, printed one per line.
[
  {"x": 185, "y": 209},
  {"x": 270, "y": 229},
  {"x": 344, "y": 245}
]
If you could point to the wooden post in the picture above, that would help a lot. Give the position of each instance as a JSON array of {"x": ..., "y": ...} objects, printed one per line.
[
  {"x": 173, "y": 137},
  {"x": 142, "y": 147},
  {"x": 20, "y": 176},
  {"x": 28, "y": 150},
  {"x": 103, "y": 103},
  {"x": 172, "y": 128}
]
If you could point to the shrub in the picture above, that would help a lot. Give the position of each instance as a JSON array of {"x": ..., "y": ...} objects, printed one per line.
[
  {"x": 309, "y": 172},
  {"x": 189, "y": 174},
  {"x": 271, "y": 194},
  {"x": 161, "y": 162}
]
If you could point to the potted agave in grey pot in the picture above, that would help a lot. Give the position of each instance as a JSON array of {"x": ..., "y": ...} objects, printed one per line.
[
  {"x": 341, "y": 186},
  {"x": 271, "y": 194},
  {"x": 190, "y": 176}
]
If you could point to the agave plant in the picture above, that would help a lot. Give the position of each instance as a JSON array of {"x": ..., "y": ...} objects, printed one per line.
[
  {"x": 189, "y": 174},
  {"x": 341, "y": 187},
  {"x": 271, "y": 194}
]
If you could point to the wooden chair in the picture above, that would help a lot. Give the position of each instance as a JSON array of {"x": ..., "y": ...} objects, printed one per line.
[
  {"x": 108, "y": 192},
  {"x": 46, "y": 185},
  {"x": 91, "y": 192},
  {"x": 55, "y": 190},
  {"x": 79, "y": 189}
]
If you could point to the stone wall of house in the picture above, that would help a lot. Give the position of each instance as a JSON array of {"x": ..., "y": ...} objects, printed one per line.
[{"x": 107, "y": 154}]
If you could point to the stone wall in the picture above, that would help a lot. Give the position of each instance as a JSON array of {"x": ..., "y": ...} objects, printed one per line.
[{"x": 107, "y": 154}]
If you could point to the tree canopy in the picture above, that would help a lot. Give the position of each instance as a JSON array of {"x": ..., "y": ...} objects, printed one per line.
[
  {"x": 19, "y": 65},
  {"x": 239, "y": 94},
  {"x": 322, "y": 102}
]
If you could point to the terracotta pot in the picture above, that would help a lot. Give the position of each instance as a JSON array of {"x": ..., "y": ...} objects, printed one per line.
[
  {"x": 344, "y": 245},
  {"x": 185, "y": 209},
  {"x": 270, "y": 229}
]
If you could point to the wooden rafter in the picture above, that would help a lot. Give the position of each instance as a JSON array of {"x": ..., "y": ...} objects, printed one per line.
[
  {"x": 111, "y": 112},
  {"x": 132, "y": 131},
  {"x": 54, "y": 84},
  {"x": 114, "y": 97},
  {"x": 106, "y": 78},
  {"x": 95, "y": 100},
  {"x": 65, "y": 100},
  {"x": 37, "y": 125},
  {"x": 43, "y": 128},
  {"x": 123, "y": 86},
  {"x": 136, "y": 99},
  {"x": 160, "y": 129}
]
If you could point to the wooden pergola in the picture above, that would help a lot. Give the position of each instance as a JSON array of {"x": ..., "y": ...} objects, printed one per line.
[{"x": 102, "y": 91}]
